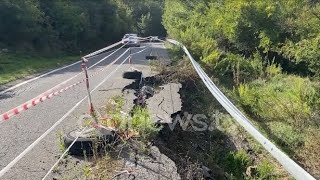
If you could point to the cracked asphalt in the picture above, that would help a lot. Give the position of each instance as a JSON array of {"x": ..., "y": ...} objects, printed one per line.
[{"x": 22, "y": 130}]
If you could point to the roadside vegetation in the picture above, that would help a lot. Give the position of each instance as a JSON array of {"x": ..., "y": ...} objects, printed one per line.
[
  {"x": 47, "y": 27},
  {"x": 264, "y": 55},
  {"x": 137, "y": 123},
  {"x": 15, "y": 66},
  {"x": 224, "y": 150},
  {"x": 133, "y": 131},
  {"x": 32, "y": 30}
]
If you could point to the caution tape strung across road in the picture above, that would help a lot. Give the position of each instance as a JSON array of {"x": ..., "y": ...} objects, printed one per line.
[
  {"x": 37, "y": 141},
  {"x": 109, "y": 47},
  {"x": 94, "y": 124},
  {"x": 31, "y": 146},
  {"x": 49, "y": 94},
  {"x": 102, "y": 50},
  {"x": 292, "y": 167},
  {"x": 27, "y": 105}
]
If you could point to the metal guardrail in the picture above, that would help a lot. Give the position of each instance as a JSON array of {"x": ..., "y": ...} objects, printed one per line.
[{"x": 292, "y": 167}]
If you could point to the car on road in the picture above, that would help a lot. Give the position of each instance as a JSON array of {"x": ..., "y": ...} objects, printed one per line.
[
  {"x": 154, "y": 39},
  {"x": 131, "y": 40}
]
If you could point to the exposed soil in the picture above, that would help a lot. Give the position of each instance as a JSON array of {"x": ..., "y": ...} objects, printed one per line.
[
  {"x": 204, "y": 154},
  {"x": 191, "y": 150}
]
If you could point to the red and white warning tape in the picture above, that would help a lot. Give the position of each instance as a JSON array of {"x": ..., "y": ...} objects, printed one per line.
[
  {"x": 34, "y": 102},
  {"x": 49, "y": 94},
  {"x": 103, "y": 59},
  {"x": 37, "y": 141},
  {"x": 44, "y": 96}
]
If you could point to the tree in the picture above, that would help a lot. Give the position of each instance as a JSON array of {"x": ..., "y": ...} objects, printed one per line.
[{"x": 61, "y": 25}]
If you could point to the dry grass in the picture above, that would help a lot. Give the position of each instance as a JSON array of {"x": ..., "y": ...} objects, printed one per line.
[
  {"x": 105, "y": 168},
  {"x": 310, "y": 154},
  {"x": 170, "y": 73}
]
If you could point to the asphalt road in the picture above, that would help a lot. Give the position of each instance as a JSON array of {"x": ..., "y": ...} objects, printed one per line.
[{"x": 22, "y": 130}]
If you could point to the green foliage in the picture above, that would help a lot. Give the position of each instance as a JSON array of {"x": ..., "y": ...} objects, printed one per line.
[
  {"x": 62, "y": 146},
  {"x": 236, "y": 67},
  {"x": 257, "y": 65},
  {"x": 251, "y": 46},
  {"x": 46, "y": 25},
  {"x": 282, "y": 98},
  {"x": 142, "y": 17},
  {"x": 286, "y": 135},
  {"x": 306, "y": 50},
  {"x": 14, "y": 65},
  {"x": 143, "y": 124},
  {"x": 116, "y": 119},
  {"x": 20, "y": 21},
  {"x": 273, "y": 70},
  {"x": 285, "y": 104},
  {"x": 86, "y": 170},
  {"x": 143, "y": 25},
  {"x": 236, "y": 164},
  {"x": 265, "y": 170},
  {"x": 140, "y": 121},
  {"x": 215, "y": 29}
]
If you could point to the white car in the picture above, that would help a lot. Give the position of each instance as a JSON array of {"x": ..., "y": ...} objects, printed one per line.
[
  {"x": 154, "y": 39},
  {"x": 131, "y": 40}
]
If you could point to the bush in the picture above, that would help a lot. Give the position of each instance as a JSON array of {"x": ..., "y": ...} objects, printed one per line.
[
  {"x": 236, "y": 164},
  {"x": 265, "y": 170},
  {"x": 235, "y": 66},
  {"x": 113, "y": 112},
  {"x": 273, "y": 70},
  {"x": 139, "y": 124},
  {"x": 143, "y": 124},
  {"x": 283, "y": 98},
  {"x": 286, "y": 135},
  {"x": 307, "y": 51},
  {"x": 246, "y": 69}
]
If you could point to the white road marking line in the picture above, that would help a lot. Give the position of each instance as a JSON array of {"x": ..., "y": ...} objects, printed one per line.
[
  {"x": 30, "y": 147},
  {"x": 28, "y": 102},
  {"x": 40, "y": 76},
  {"x": 64, "y": 153},
  {"x": 145, "y": 48},
  {"x": 64, "y": 82}
]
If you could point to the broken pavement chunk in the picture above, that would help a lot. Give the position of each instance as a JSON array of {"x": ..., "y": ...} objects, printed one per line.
[{"x": 165, "y": 103}]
